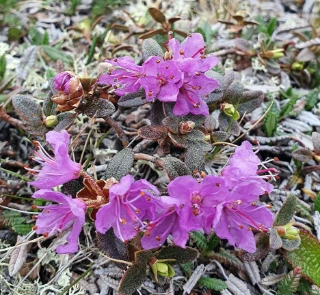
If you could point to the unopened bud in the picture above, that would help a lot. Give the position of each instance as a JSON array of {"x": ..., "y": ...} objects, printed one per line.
[
  {"x": 51, "y": 121},
  {"x": 297, "y": 66},
  {"x": 230, "y": 111},
  {"x": 186, "y": 127},
  {"x": 288, "y": 231},
  {"x": 277, "y": 53}
]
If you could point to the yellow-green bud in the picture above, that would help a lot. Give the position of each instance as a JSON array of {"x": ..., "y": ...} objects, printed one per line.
[
  {"x": 297, "y": 66},
  {"x": 277, "y": 53},
  {"x": 230, "y": 111},
  {"x": 165, "y": 270},
  {"x": 288, "y": 231},
  {"x": 51, "y": 121}
]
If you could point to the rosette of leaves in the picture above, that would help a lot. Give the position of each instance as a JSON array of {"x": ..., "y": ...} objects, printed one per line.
[
  {"x": 159, "y": 262},
  {"x": 231, "y": 91},
  {"x": 166, "y": 24},
  {"x": 183, "y": 132},
  {"x": 267, "y": 52}
]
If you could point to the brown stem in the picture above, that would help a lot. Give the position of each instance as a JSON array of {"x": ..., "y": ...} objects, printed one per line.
[
  {"x": 14, "y": 122},
  {"x": 150, "y": 158},
  {"x": 123, "y": 137}
]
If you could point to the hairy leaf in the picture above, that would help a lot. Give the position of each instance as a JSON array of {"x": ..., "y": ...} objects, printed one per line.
[
  {"x": 132, "y": 279},
  {"x": 290, "y": 245},
  {"x": 181, "y": 255},
  {"x": 99, "y": 108},
  {"x": 18, "y": 257},
  {"x": 113, "y": 247},
  {"x": 175, "y": 167},
  {"x": 49, "y": 107},
  {"x": 151, "y": 48},
  {"x": 133, "y": 99},
  {"x": 227, "y": 258},
  {"x": 64, "y": 119},
  {"x": 120, "y": 165},
  {"x": 262, "y": 242},
  {"x": 307, "y": 256},
  {"x": 286, "y": 212}
]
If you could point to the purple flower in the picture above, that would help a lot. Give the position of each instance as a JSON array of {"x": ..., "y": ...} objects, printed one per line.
[
  {"x": 189, "y": 55},
  {"x": 58, "y": 169},
  {"x": 244, "y": 167},
  {"x": 62, "y": 82},
  {"x": 238, "y": 215},
  {"x": 189, "y": 204},
  {"x": 192, "y": 94},
  {"x": 55, "y": 219},
  {"x": 130, "y": 203},
  {"x": 125, "y": 76},
  {"x": 163, "y": 79}
]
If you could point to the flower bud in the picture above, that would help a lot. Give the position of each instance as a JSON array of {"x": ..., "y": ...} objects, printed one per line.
[
  {"x": 288, "y": 231},
  {"x": 277, "y": 53},
  {"x": 164, "y": 269},
  {"x": 230, "y": 111},
  {"x": 51, "y": 121},
  {"x": 186, "y": 127},
  {"x": 297, "y": 66}
]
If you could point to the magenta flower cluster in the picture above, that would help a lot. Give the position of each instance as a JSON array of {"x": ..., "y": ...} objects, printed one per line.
[
  {"x": 227, "y": 204},
  {"x": 214, "y": 203},
  {"x": 177, "y": 77}
]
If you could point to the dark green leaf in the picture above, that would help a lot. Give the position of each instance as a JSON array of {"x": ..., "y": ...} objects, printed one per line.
[
  {"x": 151, "y": 48},
  {"x": 212, "y": 283},
  {"x": 120, "y": 165},
  {"x": 317, "y": 203},
  {"x": 3, "y": 66},
  {"x": 132, "y": 279},
  {"x": 289, "y": 284},
  {"x": 270, "y": 122},
  {"x": 92, "y": 49},
  {"x": 49, "y": 107},
  {"x": 56, "y": 54},
  {"x": 311, "y": 99},
  {"x": 181, "y": 255},
  {"x": 175, "y": 167},
  {"x": 99, "y": 108},
  {"x": 133, "y": 99}
]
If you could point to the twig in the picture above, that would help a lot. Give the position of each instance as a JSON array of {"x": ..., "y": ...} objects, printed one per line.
[
  {"x": 123, "y": 137},
  {"x": 14, "y": 122},
  {"x": 152, "y": 159},
  {"x": 116, "y": 260}
]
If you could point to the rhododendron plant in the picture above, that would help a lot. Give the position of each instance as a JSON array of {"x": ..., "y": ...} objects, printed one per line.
[
  {"x": 58, "y": 169},
  {"x": 68, "y": 214}
]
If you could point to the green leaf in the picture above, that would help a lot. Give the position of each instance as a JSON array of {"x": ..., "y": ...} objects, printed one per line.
[
  {"x": 311, "y": 99},
  {"x": 289, "y": 284},
  {"x": 212, "y": 283},
  {"x": 99, "y": 108},
  {"x": 226, "y": 257},
  {"x": 35, "y": 36},
  {"x": 213, "y": 242},
  {"x": 3, "y": 66},
  {"x": 200, "y": 239},
  {"x": 142, "y": 257},
  {"x": 181, "y": 255},
  {"x": 286, "y": 211},
  {"x": 120, "y": 165},
  {"x": 92, "y": 48},
  {"x": 132, "y": 279},
  {"x": 56, "y": 54},
  {"x": 271, "y": 26},
  {"x": 270, "y": 121},
  {"x": 45, "y": 38},
  {"x": 288, "y": 107},
  {"x": 16, "y": 221},
  {"x": 317, "y": 203},
  {"x": 307, "y": 256}
]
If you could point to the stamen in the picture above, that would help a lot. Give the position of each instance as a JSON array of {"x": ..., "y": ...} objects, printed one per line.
[
  {"x": 34, "y": 227},
  {"x": 199, "y": 51},
  {"x": 195, "y": 105}
]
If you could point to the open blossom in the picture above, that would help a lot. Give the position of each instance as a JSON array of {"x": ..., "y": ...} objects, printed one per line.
[
  {"x": 163, "y": 79},
  {"x": 188, "y": 205},
  {"x": 125, "y": 76},
  {"x": 130, "y": 203},
  {"x": 57, "y": 218},
  {"x": 238, "y": 215},
  {"x": 244, "y": 164},
  {"x": 56, "y": 170}
]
